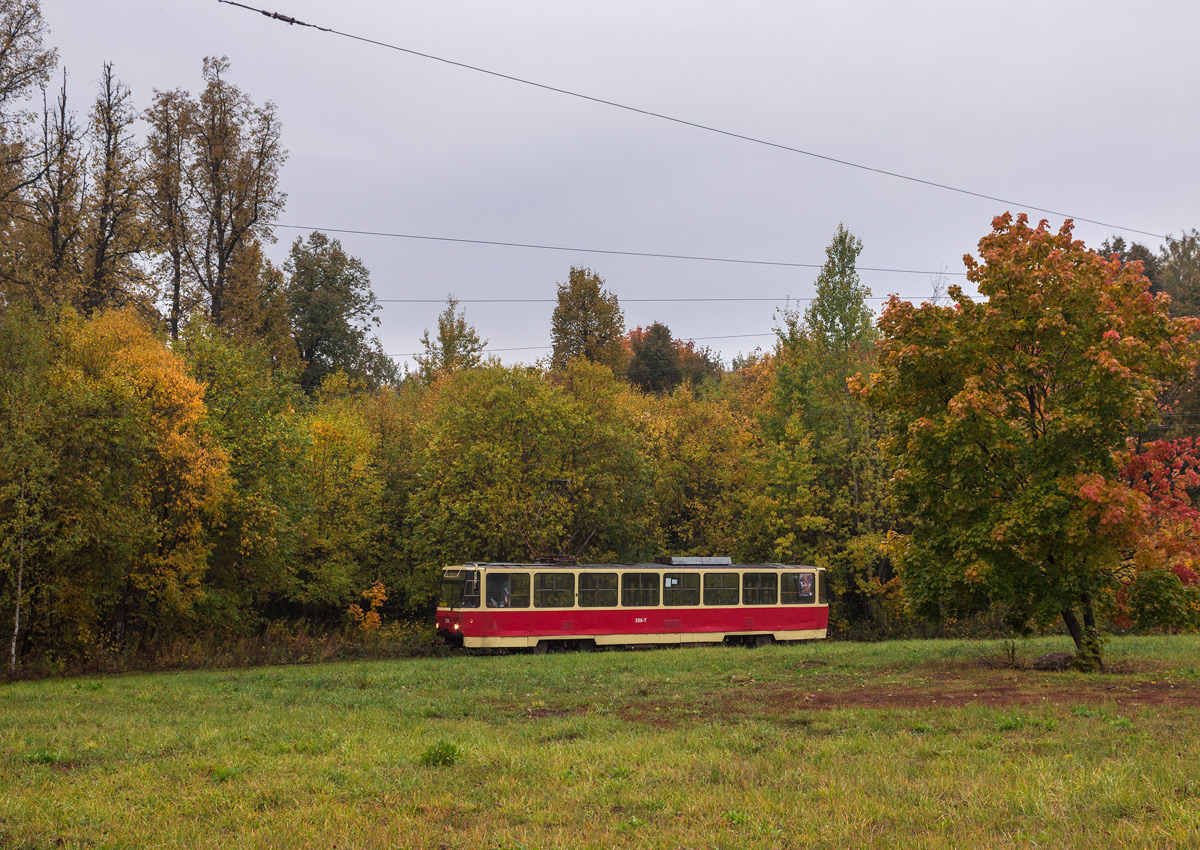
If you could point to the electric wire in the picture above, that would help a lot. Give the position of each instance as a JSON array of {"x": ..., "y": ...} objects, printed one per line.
[
  {"x": 681, "y": 121},
  {"x": 699, "y": 299},
  {"x": 533, "y": 245},
  {"x": 549, "y": 347}
]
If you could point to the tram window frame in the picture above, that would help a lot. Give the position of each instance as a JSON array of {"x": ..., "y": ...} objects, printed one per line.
[
  {"x": 674, "y": 594},
  {"x": 601, "y": 595},
  {"x": 559, "y": 592},
  {"x": 641, "y": 594},
  {"x": 718, "y": 594},
  {"x": 760, "y": 588},
  {"x": 470, "y": 594},
  {"x": 796, "y": 595},
  {"x": 503, "y": 590},
  {"x": 822, "y": 589}
]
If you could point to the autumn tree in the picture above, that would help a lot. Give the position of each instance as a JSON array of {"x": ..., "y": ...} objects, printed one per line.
[
  {"x": 255, "y": 415},
  {"x": 231, "y": 176},
  {"x": 1153, "y": 501},
  {"x": 25, "y": 65},
  {"x": 456, "y": 346},
  {"x": 112, "y": 237},
  {"x": 339, "y": 528},
  {"x": 46, "y": 262},
  {"x": 1003, "y": 419},
  {"x": 587, "y": 322},
  {"x": 333, "y": 311},
  {"x": 816, "y": 419},
  {"x": 110, "y": 478},
  {"x": 491, "y": 441},
  {"x": 167, "y": 198},
  {"x": 654, "y": 366},
  {"x": 1178, "y": 272}
]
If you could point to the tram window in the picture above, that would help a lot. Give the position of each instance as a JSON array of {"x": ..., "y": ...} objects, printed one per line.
[
  {"x": 597, "y": 590},
  {"x": 681, "y": 589},
  {"x": 639, "y": 589},
  {"x": 720, "y": 588},
  {"x": 508, "y": 590},
  {"x": 822, "y": 589},
  {"x": 760, "y": 588},
  {"x": 470, "y": 594},
  {"x": 451, "y": 590},
  {"x": 553, "y": 590},
  {"x": 798, "y": 589}
]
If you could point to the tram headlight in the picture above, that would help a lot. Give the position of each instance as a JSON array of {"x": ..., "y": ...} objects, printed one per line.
[{"x": 456, "y": 627}]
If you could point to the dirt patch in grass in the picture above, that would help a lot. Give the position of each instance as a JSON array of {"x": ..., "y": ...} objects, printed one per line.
[{"x": 953, "y": 692}]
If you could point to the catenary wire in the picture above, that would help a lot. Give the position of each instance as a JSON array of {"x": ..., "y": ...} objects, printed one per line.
[
  {"x": 549, "y": 347},
  {"x": 618, "y": 253},
  {"x": 681, "y": 121}
]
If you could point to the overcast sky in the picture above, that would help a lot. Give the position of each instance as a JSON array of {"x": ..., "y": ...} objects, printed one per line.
[{"x": 1086, "y": 107}]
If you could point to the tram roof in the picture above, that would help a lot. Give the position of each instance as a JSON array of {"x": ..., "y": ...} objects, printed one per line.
[{"x": 631, "y": 566}]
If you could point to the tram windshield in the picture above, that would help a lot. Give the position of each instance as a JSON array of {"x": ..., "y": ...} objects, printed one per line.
[{"x": 459, "y": 589}]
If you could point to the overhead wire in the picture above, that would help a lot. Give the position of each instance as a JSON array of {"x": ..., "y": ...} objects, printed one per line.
[
  {"x": 686, "y": 123},
  {"x": 549, "y": 347},
  {"x": 620, "y": 253}
]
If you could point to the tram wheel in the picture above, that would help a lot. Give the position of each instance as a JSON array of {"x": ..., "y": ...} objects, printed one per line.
[
  {"x": 763, "y": 640},
  {"x": 541, "y": 647}
]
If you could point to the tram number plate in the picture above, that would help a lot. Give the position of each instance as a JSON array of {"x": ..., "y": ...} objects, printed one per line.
[{"x": 639, "y": 619}]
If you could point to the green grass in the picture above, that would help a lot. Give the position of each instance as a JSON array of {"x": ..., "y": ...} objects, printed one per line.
[{"x": 914, "y": 744}]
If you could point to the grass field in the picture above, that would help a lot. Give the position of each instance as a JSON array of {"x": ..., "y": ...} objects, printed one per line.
[{"x": 906, "y": 744}]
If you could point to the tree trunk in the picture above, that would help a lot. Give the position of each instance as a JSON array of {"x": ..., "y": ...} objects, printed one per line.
[
  {"x": 1091, "y": 633},
  {"x": 1074, "y": 628},
  {"x": 1085, "y": 635},
  {"x": 12, "y": 664}
]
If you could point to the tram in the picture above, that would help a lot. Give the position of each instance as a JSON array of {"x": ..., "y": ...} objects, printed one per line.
[{"x": 672, "y": 601}]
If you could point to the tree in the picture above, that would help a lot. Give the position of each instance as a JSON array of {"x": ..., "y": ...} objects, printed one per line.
[
  {"x": 587, "y": 322},
  {"x": 491, "y": 441},
  {"x": 1135, "y": 252},
  {"x": 344, "y": 497},
  {"x": 1004, "y": 417},
  {"x": 332, "y": 312},
  {"x": 254, "y": 415},
  {"x": 166, "y": 195},
  {"x": 232, "y": 180},
  {"x": 108, "y": 477},
  {"x": 654, "y": 366},
  {"x": 112, "y": 222},
  {"x": 25, "y": 64},
  {"x": 1153, "y": 501},
  {"x": 457, "y": 345},
  {"x": 1179, "y": 272},
  {"x": 817, "y": 351},
  {"x": 49, "y": 226}
]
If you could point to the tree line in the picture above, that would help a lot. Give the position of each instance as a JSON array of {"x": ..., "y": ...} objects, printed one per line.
[{"x": 196, "y": 441}]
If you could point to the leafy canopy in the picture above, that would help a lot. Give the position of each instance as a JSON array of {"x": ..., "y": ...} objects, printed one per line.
[{"x": 1003, "y": 416}]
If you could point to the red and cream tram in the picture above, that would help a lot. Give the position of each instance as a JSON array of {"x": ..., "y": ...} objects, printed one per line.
[{"x": 673, "y": 601}]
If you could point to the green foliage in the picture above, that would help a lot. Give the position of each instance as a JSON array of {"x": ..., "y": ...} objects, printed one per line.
[
  {"x": 457, "y": 345},
  {"x": 1159, "y": 600},
  {"x": 587, "y": 323},
  {"x": 255, "y": 414},
  {"x": 491, "y": 442},
  {"x": 338, "y": 530},
  {"x": 1178, "y": 272},
  {"x": 654, "y": 366},
  {"x": 812, "y": 410},
  {"x": 332, "y": 312}
]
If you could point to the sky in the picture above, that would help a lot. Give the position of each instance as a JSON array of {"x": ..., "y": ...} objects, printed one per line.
[{"x": 1081, "y": 107}]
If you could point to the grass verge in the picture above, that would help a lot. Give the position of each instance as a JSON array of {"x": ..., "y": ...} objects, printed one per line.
[{"x": 917, "y": 744}]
